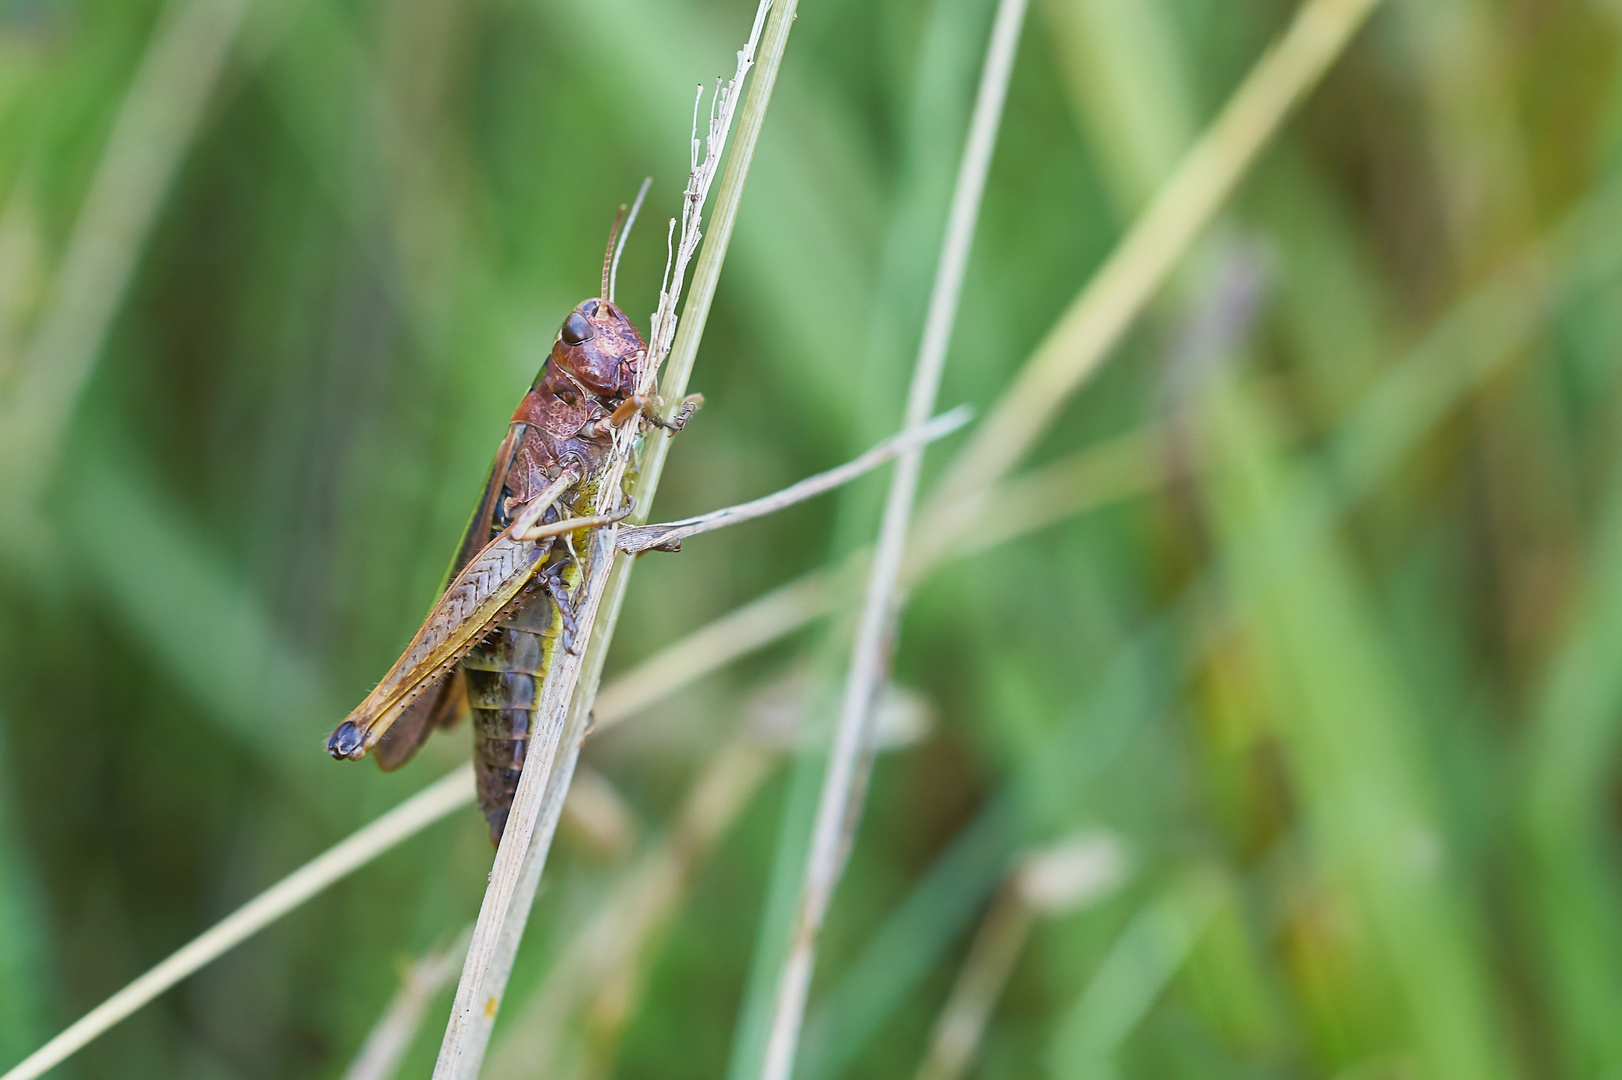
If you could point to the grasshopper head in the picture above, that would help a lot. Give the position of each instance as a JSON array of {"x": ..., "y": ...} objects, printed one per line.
[{"x": 598, "y": 345}]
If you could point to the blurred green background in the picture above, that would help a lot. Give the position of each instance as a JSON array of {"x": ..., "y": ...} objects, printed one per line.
[{"x": 1331, "y": 663}]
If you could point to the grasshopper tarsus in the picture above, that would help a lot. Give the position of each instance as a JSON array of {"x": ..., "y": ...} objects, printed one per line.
[{"x": 689, "y": 405}]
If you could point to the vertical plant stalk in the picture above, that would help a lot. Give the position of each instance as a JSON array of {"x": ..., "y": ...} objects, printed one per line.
[
  {"x": 156, "y": 123},
  {"x": 843, "y": 787},
  {"x": 562, "y": 723},
  {"x": 514, "y": 877},
  {"x": 700, "y": 176}
]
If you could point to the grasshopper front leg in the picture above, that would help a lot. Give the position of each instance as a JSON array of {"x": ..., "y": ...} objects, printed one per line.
[{"x": 648, "y": 405}]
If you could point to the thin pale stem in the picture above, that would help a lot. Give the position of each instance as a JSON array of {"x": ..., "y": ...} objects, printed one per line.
[
  {"x": 705, "y": 164},
  {"x": 644, "y": 537},
  {"x": 543, "y": 788},
  {"x": 515, "y": 875},
  {"x": 843, "y": 781}
]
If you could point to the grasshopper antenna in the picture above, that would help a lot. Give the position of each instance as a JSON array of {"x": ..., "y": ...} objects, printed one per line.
[
  {"x": 609, "y": 253},
  {"x": 611, "y": 264}
]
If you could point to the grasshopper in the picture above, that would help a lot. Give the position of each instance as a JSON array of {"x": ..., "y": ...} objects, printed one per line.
[
  {"x": 484, "y": 647},
  {"x": 487, "y": 644}
]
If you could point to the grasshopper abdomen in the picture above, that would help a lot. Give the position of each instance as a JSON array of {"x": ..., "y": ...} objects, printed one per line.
[{"x": 504, "y": 675}]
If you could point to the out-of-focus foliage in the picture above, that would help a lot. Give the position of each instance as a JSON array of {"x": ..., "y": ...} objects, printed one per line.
[{"x": 1345, "y": 685}]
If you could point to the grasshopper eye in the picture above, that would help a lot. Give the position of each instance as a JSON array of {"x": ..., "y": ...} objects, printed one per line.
[{"x": 577, "y": 329}]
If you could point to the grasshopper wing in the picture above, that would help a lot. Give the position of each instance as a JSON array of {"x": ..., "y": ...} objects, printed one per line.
[
  {"x": 443, "y": 704},
  {"x": 477, "y": 534},
  {"x": 487, "y": 586}
]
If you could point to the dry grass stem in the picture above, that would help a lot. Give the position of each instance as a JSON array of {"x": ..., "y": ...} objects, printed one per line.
[
  {"x": 409, "y": 818},
  {"x": 1141, "y": 262},
  {"x": 705, "y": 278},
  {"x": 844, "y": 781},
  {"x": 562, "y": 718},
  {"x": 908, "y": 443},
  {"x": 706, "y": 160},
  {"x": 515, "y": 875}
]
